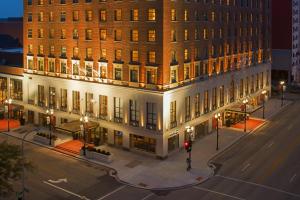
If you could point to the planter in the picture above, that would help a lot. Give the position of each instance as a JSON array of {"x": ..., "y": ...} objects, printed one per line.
[
  {"x": 45, "y": 141},
  {"x": 97, "y": 156}
]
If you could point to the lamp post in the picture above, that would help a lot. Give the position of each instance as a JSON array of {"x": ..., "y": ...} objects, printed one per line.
[
  {"x": 189, "y": 130},
  {"x": 8, "y": 102},
  {"x": 49, "y": 122},
  {"x": 84, "y": 120},
  {"x": 245, "y": 102},
  {"x": 264, "y": 92},
  {"x": 217, "y": 117},
  {"x": 282, "y": 85}
]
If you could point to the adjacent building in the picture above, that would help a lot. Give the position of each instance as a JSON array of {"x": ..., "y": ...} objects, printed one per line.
[
  {"x": 144, "y": 70},
  {"x": 285, "y": 41}
]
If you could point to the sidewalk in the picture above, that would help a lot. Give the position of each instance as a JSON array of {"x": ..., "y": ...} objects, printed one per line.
[{"x": 147, "y": 172}]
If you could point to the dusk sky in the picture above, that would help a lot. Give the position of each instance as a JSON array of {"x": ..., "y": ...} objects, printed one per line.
[{"x": 11, "y": 8}]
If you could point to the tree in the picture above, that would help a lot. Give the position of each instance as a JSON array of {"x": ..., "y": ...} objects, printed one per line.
[{"x": 11, "y": 167}]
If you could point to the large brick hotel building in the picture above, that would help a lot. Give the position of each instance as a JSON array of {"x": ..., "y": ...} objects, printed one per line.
[{"x": 143, "y": 70}]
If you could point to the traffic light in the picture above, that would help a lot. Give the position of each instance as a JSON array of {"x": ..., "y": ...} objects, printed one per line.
[{"x": 188, "y": 146}]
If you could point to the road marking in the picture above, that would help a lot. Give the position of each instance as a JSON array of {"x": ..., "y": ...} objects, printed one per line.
[
  {"x": 293, "y": 177},
  {"x": 219, "y": 193},
  {"x": 58, "y": 180},
  {"x": 146, "y": 197},
  {"x": 259, "y": 185},
  {"x": 270, "y": 145},
  {"x": 245, "y": 167},
  {"x": 112, "y": 192},
  {"x": 67, "y": 191}
]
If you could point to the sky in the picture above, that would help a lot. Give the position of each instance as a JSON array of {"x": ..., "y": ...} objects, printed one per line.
[{"x": 11, "y": 8}]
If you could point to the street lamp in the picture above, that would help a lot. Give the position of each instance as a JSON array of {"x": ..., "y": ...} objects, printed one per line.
[
  {"x": 217, "y": 117},
  {"x": 8, "y": 102},
  {"x": 245, "y": 102},
  {"x": 188, "y": 146},
  {"x": 282, "y": 85},
  {"x": 264, "y": 92},
  {"x": 49, "y": 122},
  {"x": 84, "y": 120}
]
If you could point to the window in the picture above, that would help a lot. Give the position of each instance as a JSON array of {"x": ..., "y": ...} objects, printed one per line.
[
  {"x": 51, "y": 65},
  {"x": 118, "y": 35},
  {"x": 187, "y": 108},
  {"x": 118, "y": 73},
  {"x": 103, "y": 34},
  {"x": 118, "y": 15},
  {"x": 118, "y": 55},
  {"x": 76, "y": 101},
  {"x": 173, "y": 75},
  {"x": 151, "y": 57},
  {"x": 89, "y": 53},
  {"x": 63, "y": 34},
  {"x": 88, "y": 34},
  {"x": 222, "y": 94},
  {"x": 51, "y": 33},
  {"x": 173, "y": 122},
  {"x": 118, "y": 115},
  {"x": 206, "y": 102},
  {"x": 151, "y": 115},
  {"x": 173, "y": 15},
  {"x": 103, "y": 17},
  {"x": 134, "y": 74},
  {"x": 63, "y": 66},
  {"x": 197, "y": 105},
  {"x": 89, "y": 69},
  {"x": 103, "y": 106},
  {"x": 75, "y": 34},
  {"x": 151, "y": 75},
  {"x": 232, "y": 91},
  {"x": 40, "y": 33},
  {"x": 186, "y": 72},
  {"x": 63, "y": 16},
  {"x": 41, "y": 96},
  {"x": 88, "y": 15},
  {"x": 134, "y": 56},
  {"x": 134, "y": 15},
  {"x": 241, "y": 88},
  {"x": 151, "y": 14},
  {"x": 133, "y": 113},
  {"x": 41, "y": 64},
  {"x": 89, "y": 102},
  {"x": 40, "y": 16},
  {"x": 29, "y": 18},
  {"x": 186, "y": 15},
  {"x": 214, "y": 98},
  {"x": 51, "y": 16},
  {"x": 75, "y": 15},
  {"x": 16, "y": 89},
  {"x": 134, "y": 35},
  {"x": 151, "y": 36},
  {"x": 52, "y": 97},
  {"x": 63, "y": 99}
]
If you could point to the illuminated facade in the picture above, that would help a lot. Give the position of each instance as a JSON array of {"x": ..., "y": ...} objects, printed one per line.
[{"x": 144, "y": 69}]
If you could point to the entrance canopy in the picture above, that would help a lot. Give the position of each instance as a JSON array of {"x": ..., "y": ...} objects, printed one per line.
[
  {"x": 74, "y": 126},
  {"x": 240, "y": 108}
]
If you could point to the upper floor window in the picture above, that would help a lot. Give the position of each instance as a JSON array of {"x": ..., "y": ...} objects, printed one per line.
[
  {"x": 63, "y": 16},
  {"x": 89, "y": 15},
  {"x": 118, "y": 15},
  {"x": 134, "y": 15},
  {"x": 151, "y": 14}
]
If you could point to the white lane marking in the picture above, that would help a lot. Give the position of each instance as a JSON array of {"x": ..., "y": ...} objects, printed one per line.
[
  {"x": 245, "y": 167},
  {"x": 293, "y": 177},
  {"x": 270, "y": 145},
  {"x": 259, "y": 185},
  {"x": 112, "y": 192},
  {"x": 67, "y": 191},
  {"x": 219, "y": 193},
  {"x": 148, "y": 196},
  {"x": 58, "y": 180}
]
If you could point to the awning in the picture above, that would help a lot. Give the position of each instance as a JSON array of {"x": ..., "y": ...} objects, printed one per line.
[
  {"x": 74, "y": 126},
  {"x": 240, "y": 108}
]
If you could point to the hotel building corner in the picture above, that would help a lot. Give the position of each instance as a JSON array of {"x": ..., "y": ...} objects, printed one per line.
[{"x": 144, "y": 70}]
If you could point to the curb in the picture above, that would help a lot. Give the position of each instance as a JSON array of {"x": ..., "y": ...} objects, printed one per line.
[
  {"x": 266, "y": 121},
  {"x": 111, "y": 171}
]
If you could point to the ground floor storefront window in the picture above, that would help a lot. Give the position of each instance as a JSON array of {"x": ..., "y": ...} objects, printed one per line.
[
  {"x": 173, "y": 143},
  {"x": 118, "y": 138},
  {"x": 200, "y": 131},
  {"x": 143, "y": 143}
]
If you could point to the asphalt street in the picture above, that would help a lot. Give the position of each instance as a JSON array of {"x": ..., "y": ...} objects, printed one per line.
[{"x": 264, "y": 165}]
